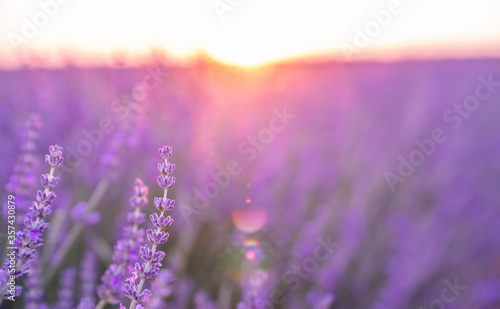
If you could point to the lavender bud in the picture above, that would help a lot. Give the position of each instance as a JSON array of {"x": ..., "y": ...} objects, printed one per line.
[
  {"x": 164, "y": 204},
  {"x": 48, "y": 181},
  {"x": 40, "y": 210},
  {"x": 165, "y": 152},
  {"x": 54, "y": 158},
  {"x": 145, "y": 295},
  {"x": 166, "y": 168},
  {"x": 161, "y": 222},
  {"x": 146, "y": 254},
  {"x": 166, "y": 182},
  {"x": 45, "y": 197},
  {"x": 157, "y": 237},
  {"x": 136, "y": 217},
  {"x": 55, "y": 151},
  {"x": 140, "y": 197}
]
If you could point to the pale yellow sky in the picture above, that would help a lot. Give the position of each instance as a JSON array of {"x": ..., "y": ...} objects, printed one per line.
[{"x": 248, "y": 32}]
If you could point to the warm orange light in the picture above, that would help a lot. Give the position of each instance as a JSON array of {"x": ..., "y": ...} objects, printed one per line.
[
  {"x": 251, "y": 242},
  {"x": 245, "y": 33}
]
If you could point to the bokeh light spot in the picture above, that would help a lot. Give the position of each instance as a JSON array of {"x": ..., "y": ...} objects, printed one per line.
[
  {"x": 250, "y": 255},
  {"x": 249, "y": 220}
]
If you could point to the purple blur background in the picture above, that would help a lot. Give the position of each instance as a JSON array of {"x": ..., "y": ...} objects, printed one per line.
[{"x": 324, "y": 175}]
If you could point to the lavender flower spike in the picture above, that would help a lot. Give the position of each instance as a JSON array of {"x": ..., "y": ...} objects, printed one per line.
[
  {"x": 152, "y": 258},
  {"x": 34, "y": 294},
  {"x": 88, "y": 276},
  {"x": 65, "y": 294},
  {"x": 30, "y": 238},
  {"x": 125, "y": 250},
  {"x": 23, "y": 179}
]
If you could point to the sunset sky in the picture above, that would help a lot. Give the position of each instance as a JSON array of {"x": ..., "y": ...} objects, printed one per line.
[{"x": 246, "y": 32}]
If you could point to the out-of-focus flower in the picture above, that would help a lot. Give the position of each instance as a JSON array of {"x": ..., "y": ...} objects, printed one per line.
[
  {"x": 22, "y": 181},
  {"x": 202, "y": 301},
  {"x": 320, "y": 300},
  {"x": 88, "y": 275},
  {"x": 125, "y": 250},
  {"x": 80, "y": 215},
  {"x": 251, "y": 298},
  {"x": 86, "y": 303},
  {"x": 33, "y": 292},
  {"x": 161, "y": 288},
  {"x": 65, "y": 296}
]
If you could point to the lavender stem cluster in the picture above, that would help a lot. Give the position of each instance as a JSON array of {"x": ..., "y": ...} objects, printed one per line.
[
  {"x": 23, "y": 179},
  {"x": 125, "y": 250},
  {"x": 33, "y": 295},
  {"x": 151, "y": 256},
  {"x": 30, "y": 238},
  {"x": 65, "y": 295},
  {"x": 88, "y": 275}
]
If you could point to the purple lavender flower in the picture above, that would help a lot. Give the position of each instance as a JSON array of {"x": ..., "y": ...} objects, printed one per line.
[
  {"x": 320, "y": 300},
  {"x": 65, "y": 295},
  {"x": 249, "y": 301},
  {"x": 161, "y": 288},
  {"x": 110, "y": 162},
  {"x": 202, "y": 301},
  {"x": 88, "y": 275},
  {"x": 152, "y": 258},
  {"x": 134, "y": 293},
  {"x": 23, "y": 179},
  {"x": 80, "y": 215},
  {"x": 30, "y": 237},
  {"x": 86, "y": 303},
  {"x": 251, "y": 298},
  {"x": 125, "y": 250},
  {"x": 4, "y": 278},
  {"x": 34, "y": 294}
]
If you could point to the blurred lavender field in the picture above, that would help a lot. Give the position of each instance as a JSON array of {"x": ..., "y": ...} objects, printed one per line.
[{"x": 298, "y": 185}]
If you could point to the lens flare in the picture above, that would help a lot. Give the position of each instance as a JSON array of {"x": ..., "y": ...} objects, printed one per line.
[
  {"x": 249, "y": 220},
  {"x": 250, "y": 255},
  {"x": 252, "y": 249},
  {"x": 251, "y": 242}
]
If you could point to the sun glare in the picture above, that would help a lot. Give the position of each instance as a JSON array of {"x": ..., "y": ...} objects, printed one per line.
[{"x": 247, "y": 33}]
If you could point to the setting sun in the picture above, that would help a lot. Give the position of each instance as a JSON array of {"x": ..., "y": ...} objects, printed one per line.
[{"x": 245, "y": 32}]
